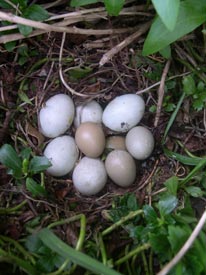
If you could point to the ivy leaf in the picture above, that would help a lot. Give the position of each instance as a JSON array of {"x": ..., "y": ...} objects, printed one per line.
[
  {"x": 167, "y": 204},
  {"x": 190, "y": 16},
  {"x": 114, "y": 7},
  {"x": 167, "y": 11}
]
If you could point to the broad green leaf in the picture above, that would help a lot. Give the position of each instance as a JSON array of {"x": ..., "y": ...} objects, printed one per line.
[
  {"x": 25, "y": 153},
  {"x": 24, "y": 30},
  {"x": 35, "y": 12},
  {"x": 191, "y": 15},
  {"x": 172, "y": 185},
  {"x": 10, "y": 158},
  {"x": 189, "y": 86},
  {"x": 66, "y": 251},
  {"x": 9, "y": 46},
  {"x": 114, "y": 7},
  {"x": 194, "y": 191},
  {"x": 38, "y": 164},
  {"x": 79, "y": 3},
  {"x": 160, "y": 245},
  {"x": 35, "y": 188},
  {"x": 166, "y": 52},
  {"x": 167, "y": 11},
  {"x": 177, "y": 236},
  {"x": 167, "y": 204}
]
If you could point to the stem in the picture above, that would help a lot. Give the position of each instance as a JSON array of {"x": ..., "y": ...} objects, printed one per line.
[
  {"x": 146, "y": 269},
  {"x": 131, "y": 215},
  {"x": 19, "y": 247},
  {"x": 103, "y": 250},
  {"x": 12, "y": 210},
  {"x": 132, "y": 253}
]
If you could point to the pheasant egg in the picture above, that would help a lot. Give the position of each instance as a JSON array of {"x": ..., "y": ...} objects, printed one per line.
[
  {"x": 140, "y": 142},
  {"x": 56, "y": 116},
  {"x": 123, "y": 112},
  {"x": 91, "y": 111},
  {"x": 90, "y": 139},
  {"x": 89, "y": 176},
  {"x": 121, "y": 167},
  {"x": 62, "y": 152}
]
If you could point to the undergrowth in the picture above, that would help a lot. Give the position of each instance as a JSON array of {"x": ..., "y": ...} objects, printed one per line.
[{"x": 47, "y": 227}]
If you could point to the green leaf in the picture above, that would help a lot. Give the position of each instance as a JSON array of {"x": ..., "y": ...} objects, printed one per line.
[
  {"x": 173, "y": 116},
  {"x": 166, "y": 52},
  {"x": 114, "y": 7},
  {"x": 167, "y": 11},
  {"x": 183, "y": 159},
  {"x": 191, "y": 15},
  {"x": 78, "y": 73},
  {"x": 177, "y": 236},
  {"x": 24, "y": 96},
  {"x": 35, "y": 188},
  {"x": 172, "y": 185},
  {"x": 38, "y": 164},
  {"x": 189, "y": 86},
  {"x": 9, "y": 46},
  {"x": 66, "y": 251},
  {"x": 160, "y": 245},
  {"x": 10, "y": 158},
  {"x": 79, "y": 3},
  {"x": 167, "y": 204},
  {"x": 35, "y": 12},
  {"x": 194, "y": 191},
  {"x": 24, "y": 30}
]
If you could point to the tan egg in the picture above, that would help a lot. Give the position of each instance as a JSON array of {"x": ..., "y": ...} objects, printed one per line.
[
  {"x": 121, "y": 167},
  {"x": 90, "y": 139},
  {"x": 115, "y": 142}
]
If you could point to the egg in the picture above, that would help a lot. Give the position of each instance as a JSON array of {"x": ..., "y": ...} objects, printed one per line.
[
  {"x": 89, "y": 112},
  {"x": 90, "y": 139},
  {"x": 115, "y": 142},
  {"x": 123, "y": 112},
  {"x": 121, "y": 167},
  {"x": 62, "y": 152},
  {"x": 56, "y": 116},
  {"x": 89, "y": 176},
  {"x": 139, "y": 142}
]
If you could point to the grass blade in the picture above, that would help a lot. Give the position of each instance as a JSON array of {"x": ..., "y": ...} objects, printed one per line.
[
  {"x": 173, "y": 116},
  {"x": 79, "y": 258}
]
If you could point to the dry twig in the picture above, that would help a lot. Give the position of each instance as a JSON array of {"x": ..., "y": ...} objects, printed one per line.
[
  {"x": 108, "y": 56},
  {"x": 161, "y": 92}
]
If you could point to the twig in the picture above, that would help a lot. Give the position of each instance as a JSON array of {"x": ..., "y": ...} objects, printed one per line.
[
  {"x": 108, "y": 56},
  {"x": 161, "y": 92},
  {"x": 49, "y": 28},
  {"x": 72, "y": 91},
  {"x": 185, "y": 247}
]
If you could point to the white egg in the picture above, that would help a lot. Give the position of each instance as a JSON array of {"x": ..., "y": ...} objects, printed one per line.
[
  {"x": 62, "y": 152},
  {"x": 121, "y": 167},
  {"x": 123, "y": 112},
  {"x": 56, "y": 116},
  {"x": 89, "y": 112},
  {"x": 89, "y": 176},
  {"x": 139, "y": 142}
]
